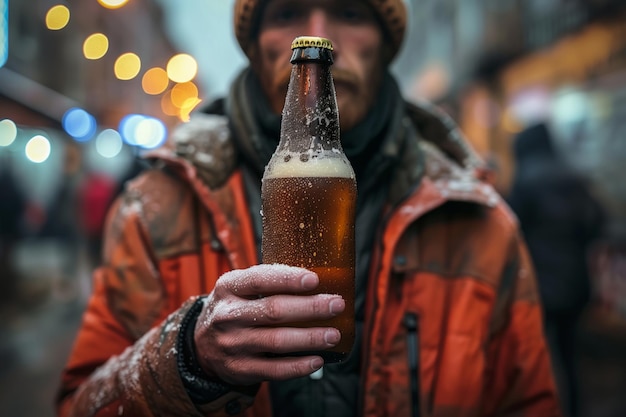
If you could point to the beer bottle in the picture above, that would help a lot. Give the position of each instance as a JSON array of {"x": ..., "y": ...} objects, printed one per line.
[{"x": 308, "y": 194}]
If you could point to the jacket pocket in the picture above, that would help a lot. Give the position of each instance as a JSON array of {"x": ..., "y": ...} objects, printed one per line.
[{"x": 410, "y": 322}]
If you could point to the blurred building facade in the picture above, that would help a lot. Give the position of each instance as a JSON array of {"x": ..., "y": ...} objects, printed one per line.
[
  {"x": 54, "y": 58},
  {"x": 47, "y": 74},
  {"x": 45, "y": 77}
]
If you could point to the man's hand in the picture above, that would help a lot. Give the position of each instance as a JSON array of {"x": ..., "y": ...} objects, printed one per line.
[{"x": 239, "y": 337}]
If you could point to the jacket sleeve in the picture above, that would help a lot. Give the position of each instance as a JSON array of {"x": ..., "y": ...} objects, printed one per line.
[
  {"x": 520, "y": 372},
  {"x": 124, "y": 360}
]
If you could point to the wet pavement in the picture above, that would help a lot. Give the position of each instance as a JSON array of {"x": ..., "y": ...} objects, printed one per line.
[{"x": 33, "y": 349}]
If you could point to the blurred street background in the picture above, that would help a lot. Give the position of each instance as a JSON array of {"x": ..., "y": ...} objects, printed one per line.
[{"x": 86, "y": 87}]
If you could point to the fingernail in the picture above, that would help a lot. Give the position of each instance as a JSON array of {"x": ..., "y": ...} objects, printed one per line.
[
  {"x": 316, "y": 363},
  {"x": 309, "y": 281},
  {"x": 331, "y": 337},
  {"x": 337, "y": 305}
]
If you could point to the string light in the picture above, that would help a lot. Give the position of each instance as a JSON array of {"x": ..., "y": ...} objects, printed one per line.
[
  {"x": 182, "y": 68},
  {"x": 38, "y": 149},
  {"x": 112, "y": 4},
  {"x": 57, "y": 17},
  {"x": 8, "y": 132},
  {"x": 154, "y": 81},
  {"x": 95, "y": 46},
  {"x": 127, "y": 66}
]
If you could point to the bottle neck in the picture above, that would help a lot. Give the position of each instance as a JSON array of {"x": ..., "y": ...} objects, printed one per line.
[{"x": 310, "y": 119}]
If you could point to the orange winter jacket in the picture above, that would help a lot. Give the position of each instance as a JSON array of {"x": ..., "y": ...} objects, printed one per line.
[{"x": 453, "y": 323}]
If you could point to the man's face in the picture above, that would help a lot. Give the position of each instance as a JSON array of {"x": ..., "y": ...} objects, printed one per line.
[{"x": 357, "y": 41}]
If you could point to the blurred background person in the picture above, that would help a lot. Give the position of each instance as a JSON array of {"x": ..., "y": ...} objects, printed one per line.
[
  {"x": 12, "y": 209},
  {"x": 95, "y": 194},
  {"x": 62, "y": 226},
  {"x": 560, "y": 220}
]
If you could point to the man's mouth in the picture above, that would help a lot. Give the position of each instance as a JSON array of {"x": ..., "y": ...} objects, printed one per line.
[{"x": 345, "y": 81}]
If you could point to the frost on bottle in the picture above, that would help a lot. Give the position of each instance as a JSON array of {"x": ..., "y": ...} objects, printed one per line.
[{"x": 308, "y": 195}]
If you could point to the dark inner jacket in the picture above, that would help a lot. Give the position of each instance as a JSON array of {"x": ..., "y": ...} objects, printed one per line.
[{"x": 256, "y": 131}]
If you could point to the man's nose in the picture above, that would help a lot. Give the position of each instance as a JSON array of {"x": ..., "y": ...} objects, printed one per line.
[{"x": 319, "y": 24}]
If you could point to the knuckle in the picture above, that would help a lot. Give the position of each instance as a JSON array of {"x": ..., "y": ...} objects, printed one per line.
[
  {"x": 221, "y": 286},
  {"x": 316, "y": 338},
  {"x": 298, "y": 368},
  {"x": 221, "y": 315},
  {"x": 274, "y": 373},
  {"x": 273, "y": 310},
  {"x": 256, "y": 279},
  {"x": 273, "y": 340},
  {"x": 286, "y": 280},
  {"x": 287, "y": 371},
  {"x": 229, "y": 366},
  {"x": 228, "y": 282},
  {"x": 319, "y": 306},
  {"x": 229, "y": 346},
  {"x": 256, "y": 286}
]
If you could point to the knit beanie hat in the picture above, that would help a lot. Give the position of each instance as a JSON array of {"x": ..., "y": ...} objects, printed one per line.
[{"x": 390, "y": 13}]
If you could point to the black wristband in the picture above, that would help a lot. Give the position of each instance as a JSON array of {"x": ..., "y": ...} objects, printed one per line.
[{"x": 199, "y": 386}]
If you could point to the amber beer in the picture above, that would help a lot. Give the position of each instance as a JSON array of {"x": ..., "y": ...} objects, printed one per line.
[{"x": 308, "y": 195}]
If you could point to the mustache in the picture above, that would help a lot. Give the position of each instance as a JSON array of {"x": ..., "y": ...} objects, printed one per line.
[
  {"x": 340, "y": 75},
  {"x": 343, "y": 76}
]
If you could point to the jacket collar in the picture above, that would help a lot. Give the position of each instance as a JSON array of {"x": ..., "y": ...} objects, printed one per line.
[
  {"x": 455, "y": 182},
  {"x": 438, "y": 152},
  {"x": 434, "y": 155}
]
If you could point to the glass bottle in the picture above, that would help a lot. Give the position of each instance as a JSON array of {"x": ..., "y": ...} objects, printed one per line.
[{"x": 308, "y": 195}]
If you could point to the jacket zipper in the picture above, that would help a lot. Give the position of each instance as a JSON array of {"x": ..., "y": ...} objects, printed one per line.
[
  {"x": 376, "y": 265},
  {"x": 410, "y": 322}
]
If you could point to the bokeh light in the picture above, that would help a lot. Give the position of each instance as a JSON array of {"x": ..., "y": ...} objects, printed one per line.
[
  {"x": 570, "y": 106},
  {"x": 79, "y": 124},
  {"x": 150, "y": 133},
  {"x": 144, "y": 131},
  {"x": 509, "y": 123},
  {"x": 8, "y": 132},
  {"x": 128, "y": 126},
  {"x": 57, "y": 17},
  {"x": 38, "y": 149},
  {"x": 109, "y": 143},
  {"x": 180, "y": 100},
  {"x": 95, "y": 46},
  {"x": 182, "y": 92},
  {"x": 112, "y": 4},
  {"x": 155, "y": 81},
  {"x": 127, "y": 66},
  {"x": 187, "y": 108},
  {"x": 167, "y": 106},
  {"x": 182, "y": 68}
]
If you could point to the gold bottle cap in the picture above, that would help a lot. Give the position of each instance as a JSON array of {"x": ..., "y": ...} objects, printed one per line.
[{"x": 311, "y": 41}]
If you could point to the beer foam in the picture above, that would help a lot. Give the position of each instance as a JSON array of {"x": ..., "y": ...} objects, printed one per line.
[{"x": 288, "y": 164}]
